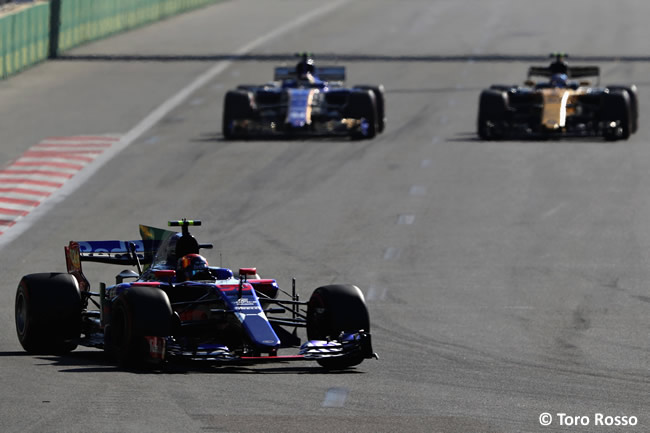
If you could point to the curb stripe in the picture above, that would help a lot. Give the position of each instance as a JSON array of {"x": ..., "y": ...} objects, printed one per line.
[
  {"x": 19, "y": 201},
  {"x": 12, "y": 212},
  {"x": 83, "y": 138},
  {"x": 24, "y": 191},
  {"x": 20, "y": 181},
  {"x": 48, "y": 144},
  {"x": 29, "y": 174},
  {"x": 40, "y": 172},
  {"x": 40, "y": 163}
]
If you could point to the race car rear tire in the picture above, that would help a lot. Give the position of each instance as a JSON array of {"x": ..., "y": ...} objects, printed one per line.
[
  {"x": 616, "y": 108},
  {"x": 380, "y": 99},
  {"x": 634, "y": 104},
  {"x": 493, "y": 106},
  {"x": 362, "y": 105},
  {"x": 136, "y": 313},
  {"x": 48, "y": 313},
  {"x": 236, "y": 106},
  {"x": 332, "y": 310}
]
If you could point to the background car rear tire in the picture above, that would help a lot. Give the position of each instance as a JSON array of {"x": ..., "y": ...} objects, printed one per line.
[
  {"x": 332, "y": 310},
  {"x": 136, "y": 313},
  {"x": 493, "y": 106},
  {"x": 48, "y": 313},
  {"x": 236, "y": 106},
  {"x": 378, "y": 91},
  {"x": 362, "y": 105}
]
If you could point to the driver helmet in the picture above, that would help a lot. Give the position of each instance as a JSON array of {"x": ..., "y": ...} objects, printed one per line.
[
  {"x": 193, "y": 267},
  {"x": 559, "y": 80},
  {"x": 305, "y": 67}
]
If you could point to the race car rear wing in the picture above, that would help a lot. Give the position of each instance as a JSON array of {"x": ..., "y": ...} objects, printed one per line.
[
  {"x": 115, "y": 252},
  {"x": 572, "y": 72},
  {"x": 325, "y": 73}
]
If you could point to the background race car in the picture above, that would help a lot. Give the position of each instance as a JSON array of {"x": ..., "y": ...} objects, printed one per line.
[
  {"x": 307, "y": 100},
  {"x": 177, "y": 306},
  {"x": 558, "y": 106}
]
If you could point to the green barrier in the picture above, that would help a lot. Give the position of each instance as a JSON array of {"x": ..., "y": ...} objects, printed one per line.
[
  {"x": 86, "y": 20},
  {"x": 24, "y": 37}
]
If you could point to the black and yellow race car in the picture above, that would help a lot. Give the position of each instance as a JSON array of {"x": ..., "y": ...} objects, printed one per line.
[{"x": 558, "y": 106}]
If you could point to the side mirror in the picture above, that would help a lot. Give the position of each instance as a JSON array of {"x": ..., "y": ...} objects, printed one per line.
[
  {"x": 127, "y": 273},
  {"x": 529, "y": 83}
]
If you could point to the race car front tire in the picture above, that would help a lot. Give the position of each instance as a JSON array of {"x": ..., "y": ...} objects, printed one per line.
[
  {"x": 634, "y": 103},
  {"x": 137, "y": 312},
  {"x": 380, "y": 99},
  {"x": 48, "y": 313},
  {"x": 335, "y": 309},
  {"x": 493, "y": 106},
  {"x": 616, "y": 109},
  {"x": 362, "y": 105},
  {"x": 236, "y": 106}
]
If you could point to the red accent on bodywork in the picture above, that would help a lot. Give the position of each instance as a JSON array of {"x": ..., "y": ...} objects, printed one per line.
[
  {"x": 148, "y": 284},
  {"x": 247, "y": 271},
  {"x": 231, "y": 287},
  {"x": 73, "y": 265},
  {"x": 165, "y": 273},
  {"x": 273, "y": 358},
  {"x": 156, "y": 347}
]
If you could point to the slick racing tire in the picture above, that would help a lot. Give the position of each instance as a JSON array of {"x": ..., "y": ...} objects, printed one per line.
[
  {"x": 332, "y": 310},
  {"x": 503, "y": 87},
  {"x": 236, "y": 106},
  {"x": 493, "y": 106},
  {"x": 136, "y": 313},
  {"x": 616, "y": 108},
  {"x": 634, "y": 104},
  {"x": 362, "y": 105},
  {"x": 380, "y": 99},
  {"x": 48, "y": 313}
]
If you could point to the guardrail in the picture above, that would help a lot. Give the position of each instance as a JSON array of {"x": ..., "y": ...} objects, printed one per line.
[
  {"x": 86, "y": 20},
  {"x": 37, "y": 32},
  {"x": 24, "y": 38}
]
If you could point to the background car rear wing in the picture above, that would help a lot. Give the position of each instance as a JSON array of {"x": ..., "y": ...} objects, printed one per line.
[
  {"x": 572, "y": 72},
  {"x": 325, "y": 73}
]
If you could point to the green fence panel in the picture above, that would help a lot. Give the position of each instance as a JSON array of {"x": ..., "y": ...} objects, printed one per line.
[
  {"x": 86, "y": 20},
  {"x": 24, "y": 36},
  {"x": 3, "y": 43}
]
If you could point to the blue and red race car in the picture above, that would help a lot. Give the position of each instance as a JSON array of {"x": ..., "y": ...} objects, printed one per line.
[
  {"x": 304, "y": 101},
  {"x": 176, "y": 306}
]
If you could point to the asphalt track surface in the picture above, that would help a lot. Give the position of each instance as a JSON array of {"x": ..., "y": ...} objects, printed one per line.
[{"x": 504, "y": 279}]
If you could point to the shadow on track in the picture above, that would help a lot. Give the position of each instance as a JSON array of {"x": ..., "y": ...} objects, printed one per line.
[
  {"x": 278, "y": 57},
  {"x": 96, "y": 361}
]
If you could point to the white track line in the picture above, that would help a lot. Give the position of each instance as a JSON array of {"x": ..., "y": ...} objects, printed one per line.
[{"x": 22, "y": 225}]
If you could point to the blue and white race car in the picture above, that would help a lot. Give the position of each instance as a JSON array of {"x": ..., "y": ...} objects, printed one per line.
[
  {"x": 176, "y": 306},
  {"x": 304, "y": 101}
]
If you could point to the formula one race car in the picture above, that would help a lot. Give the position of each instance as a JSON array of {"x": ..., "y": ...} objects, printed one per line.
[
  {"x": 304, "y": 101},
  {"x": 558, "y": 106},
  {"x": 178, "y": 307}
]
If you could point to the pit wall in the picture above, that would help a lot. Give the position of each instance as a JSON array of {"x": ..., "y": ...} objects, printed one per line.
[{"x": 32, "y": 34}]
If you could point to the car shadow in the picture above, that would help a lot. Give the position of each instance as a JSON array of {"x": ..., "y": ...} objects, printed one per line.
[
  {"x": 218, "y": 137},
  {"x": 96, "y": 361}
]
